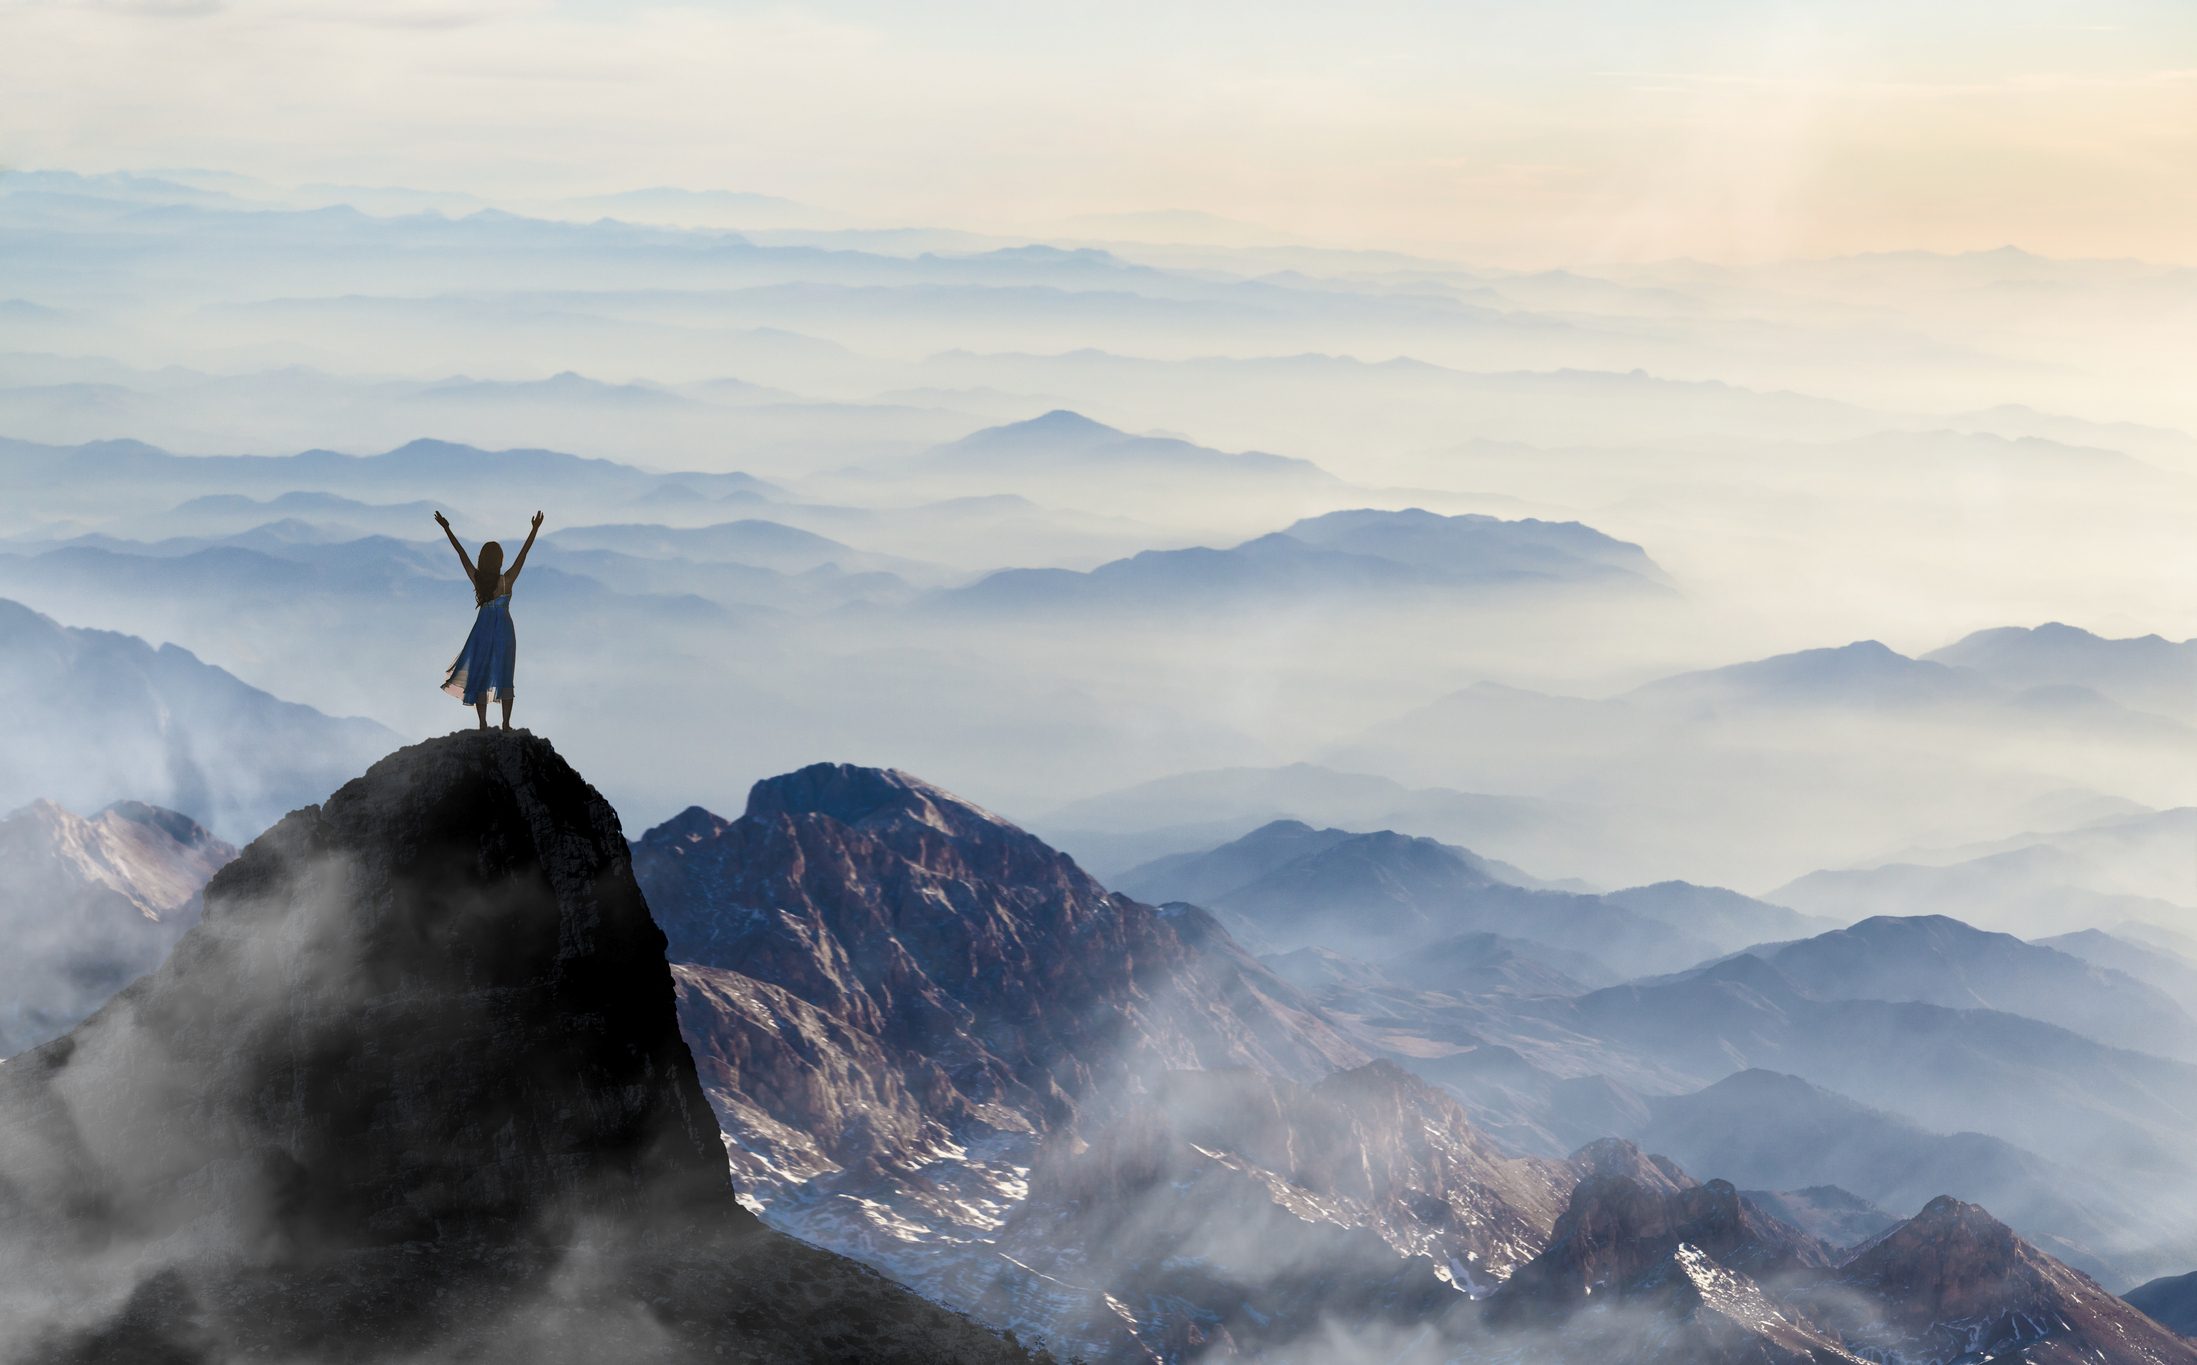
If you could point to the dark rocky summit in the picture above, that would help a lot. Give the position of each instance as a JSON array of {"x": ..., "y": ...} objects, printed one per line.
[{"x": 413, "y": 1088}]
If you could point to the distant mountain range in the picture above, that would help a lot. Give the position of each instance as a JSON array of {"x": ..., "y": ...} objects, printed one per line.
[
  {"x": 1762, "y": 1128},
  {"x": 1370, "y": 554},
  {"x": 1190, "y": 813},
  {"x": 2123, "y": 867},
  {"x": 2148, "y": 673},
  {"x": 97, "y": 717},
  {"x": 1771, "y": 756},
  {"x": 1941, "y": 961},
  {"x": 1286, "y": 885}
]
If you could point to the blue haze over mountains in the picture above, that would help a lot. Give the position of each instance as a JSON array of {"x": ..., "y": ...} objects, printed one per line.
[{"x": 1531, "y": 709}]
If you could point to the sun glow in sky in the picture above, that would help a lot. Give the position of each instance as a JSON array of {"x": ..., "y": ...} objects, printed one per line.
[{"x": 1533, "y": 132}]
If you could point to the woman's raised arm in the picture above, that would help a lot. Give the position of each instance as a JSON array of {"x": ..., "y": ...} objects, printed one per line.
[
  {"x": 520, "y": 562},
  {"x": 463, "y": 557}
]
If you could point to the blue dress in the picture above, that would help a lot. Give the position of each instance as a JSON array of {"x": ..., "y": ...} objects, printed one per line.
[{"x": 482, "y": 670}]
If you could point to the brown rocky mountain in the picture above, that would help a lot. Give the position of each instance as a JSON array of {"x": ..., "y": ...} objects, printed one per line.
[
  {"x": 1953, "y": 1283},
  {"x": 1617, "y": 1229},
  {"x": 412, "y": 1089},
  {"x": 1665, "y": 1272},
  {"x": 936, "y": 1044},
  {"x": 88, "y": 905}
]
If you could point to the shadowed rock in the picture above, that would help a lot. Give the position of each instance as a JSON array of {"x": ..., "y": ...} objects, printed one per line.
[{"x": 414, "y": 1084}]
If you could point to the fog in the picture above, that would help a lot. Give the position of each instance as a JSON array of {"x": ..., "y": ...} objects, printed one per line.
[
  {"x": 1651, "y": 572},
  {"x": 1896, "y": 448}
]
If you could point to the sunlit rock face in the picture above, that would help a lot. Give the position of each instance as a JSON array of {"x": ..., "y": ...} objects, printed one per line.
[
  {"x": 413, "y": 1085},
  {"x": 925, "y": 1031},
  {"x": 88, "y": 905},
  {"x": 886, "y": 986}
]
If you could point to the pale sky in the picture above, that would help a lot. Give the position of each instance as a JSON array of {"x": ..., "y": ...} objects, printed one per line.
[{"x": 1545, "y": 129}]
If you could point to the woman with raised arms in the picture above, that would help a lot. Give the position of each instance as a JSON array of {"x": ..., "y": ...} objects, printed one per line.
[{"x": 482, "y": 671}]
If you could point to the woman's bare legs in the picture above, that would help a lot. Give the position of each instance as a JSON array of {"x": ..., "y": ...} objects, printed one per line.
[
  {"x": 481, "y": 709},
  {"x": 506, "y": 714}
]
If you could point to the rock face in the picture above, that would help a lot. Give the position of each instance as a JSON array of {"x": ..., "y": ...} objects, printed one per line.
[
  {"x": 877, "y": 974},
  {"x": 414, "y": 1082},
  {"x": 1954, "y": 1283},
  {"x": 1619, "y": 1228},
  {"x": 935, "y": 1043},
  {"x": 87, "y": 906}
]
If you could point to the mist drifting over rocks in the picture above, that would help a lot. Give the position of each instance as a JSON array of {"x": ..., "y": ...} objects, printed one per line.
[{"x": 412, "y": 1089}]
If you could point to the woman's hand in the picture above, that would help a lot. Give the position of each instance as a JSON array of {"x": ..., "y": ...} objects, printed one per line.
[
  {"x": 537, "y": 520},
  {"x": 444, "y": 522}
]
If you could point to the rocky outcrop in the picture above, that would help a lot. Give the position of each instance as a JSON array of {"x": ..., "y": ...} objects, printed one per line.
[
  {"x": 886, "y": 985},
  {"x": 935, "y": 1043},
  {"x": 1695, "y": 1273},
  {"x": 1955, "y": 1284},
  {"x": 88, "y": 905},
  {"x": 413, "y": 1085},
  {"x": 1618, "y": 1227}
]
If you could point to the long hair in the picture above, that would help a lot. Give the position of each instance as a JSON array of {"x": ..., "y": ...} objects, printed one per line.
[{"x": 486, "y": 571}]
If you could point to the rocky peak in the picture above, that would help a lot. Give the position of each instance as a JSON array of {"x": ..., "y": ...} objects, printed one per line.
[
  {"x": 1615, "y": 1228},
  {"x": 1954, "y": 1283},
  {"x": 456, "y": 932},
  {"x": 414, "y": 1079}
]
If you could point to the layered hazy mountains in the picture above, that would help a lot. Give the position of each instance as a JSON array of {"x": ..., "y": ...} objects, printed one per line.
[
  {"x": 936, "y": 1044},
  {"x": 1377, "y": 1090}
]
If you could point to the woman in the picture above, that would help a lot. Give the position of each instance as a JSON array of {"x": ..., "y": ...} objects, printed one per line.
[{"x": 482, "y": 671}]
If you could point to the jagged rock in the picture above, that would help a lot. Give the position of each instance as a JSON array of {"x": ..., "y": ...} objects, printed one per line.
[
  {"x": 1955, "y": 1284},
  {"x": 1654, "y": 1173},
  {"x": 88, "y": 905},
  {"x": 901, "y": 1004},
  {"x": 414, "y": 1084},
  {"x": 877, "y": 976},
  {"x": 1617, "y": 1227}
]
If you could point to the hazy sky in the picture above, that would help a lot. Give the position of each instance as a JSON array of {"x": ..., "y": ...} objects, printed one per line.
[{"x": 1521, "y": 129}]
